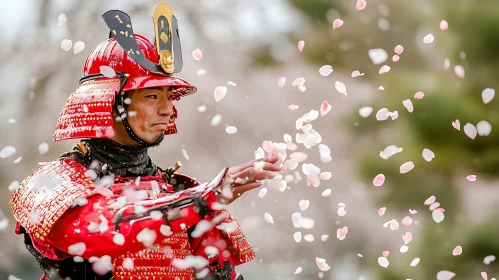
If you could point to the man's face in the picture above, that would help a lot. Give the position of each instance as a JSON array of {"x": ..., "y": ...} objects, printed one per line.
[{"x": 149, "y": 113}]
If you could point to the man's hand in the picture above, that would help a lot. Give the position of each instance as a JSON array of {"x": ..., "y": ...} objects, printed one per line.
[{"x": 247, "y": 176}]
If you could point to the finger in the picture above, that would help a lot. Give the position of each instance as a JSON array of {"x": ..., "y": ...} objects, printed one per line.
[
  {"x": 251, "y": 174},
  {"x": 239, "y": 190}
]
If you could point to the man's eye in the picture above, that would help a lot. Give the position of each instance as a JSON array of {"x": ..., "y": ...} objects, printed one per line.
[
  {"x": 170, "y": 97},
  {"x": 152, "y": 96}
]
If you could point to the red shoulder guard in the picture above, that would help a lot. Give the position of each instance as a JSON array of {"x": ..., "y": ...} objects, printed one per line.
[{"x": 48, "y": 193}]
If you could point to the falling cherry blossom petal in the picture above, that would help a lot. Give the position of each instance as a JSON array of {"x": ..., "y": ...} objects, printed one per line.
[
  {"x": 438, "y": 216},
  {"x": 395, "y": 58},
  {"x": 381, "y": 88},
  {"x": 483, "y": 128},
  {"x": 107, "y": 71},
  {"x": 301, "y": 44},
  {"x": 390, "y": 151},
  {"x": 325, "y": 108},
  {"x": 383, "y": 262},
  {"x": 356, "y": 74},
  {"x": 293, "y": 107},
  {"x": 445, "y": 275},
  {"x": 444, "y": 25},
  {"x": 399, "y": 49},
  {"x": 428, "y": 155},
  {"x": 325, "y": 70},
  {"x": 484, "y": 275},
  {"x": 297, "y": 236},
  {"x": 66, "y": 44},
  {"x": 487, "y": 95},
  {"x": 408, "y": 105},
  {"x": 337, "y": 23},
  {"x": 456, "y": 125},
  {"x": 298, "y": 270},
  {"x": 381, "y": 211},
  {"x": 220, "y": 93},
  {"x": 281, "y": 81},
  {"x": 407, "y": 221},
  {"x": 379, "y": 180},
  {"x": 413, "y": 211},
  {"x": 365, "y": 111},
  {"x": 341, "y": 233},
  {"x": 428, "y": 39},
  {"x": 321, "y": 264},
  {"x": 326, "y": 193},
  {"x": 62, "y": 19},
  {"x": 419, "y": 95},
  {"x": 361, "y": 5},
  {"x": 459, "y": 71},
  {"x": 78, "y": 47},
  {"x": 430, "y": 200},
  {"x": 457, "y": 251},
  {"x": 268, "y": 218},
  {"x": 471, "y": 178},
  {"x": 298, "y": 82},
  {"x": 415, "y": 262},
  {"x": 303, "y": 204},
  {"x": 7, "y": 151},
  {"x": 377, "y": 56},
  {"x": 394, "y": 225},
  {"x": 406, "y": 167},
  {"x": 470, "y": 131},
  {"x": 231, "y": 129},
  {"x": 340, "y": 87},
  {"x": 384, "y": 69},
  {"x": 197, "y": 54}
]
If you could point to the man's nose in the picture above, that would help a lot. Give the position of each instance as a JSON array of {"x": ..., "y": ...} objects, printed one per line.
[{"x": 165, "y": 107}]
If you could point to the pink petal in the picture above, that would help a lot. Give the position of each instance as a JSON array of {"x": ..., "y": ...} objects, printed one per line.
[
  {"x": 419, "y": 95},
  {"x": 394, "y": 225},
  {"x": 456, "y": 125},
  {"x": 381, "y": 211},
  {"x": 341, "y": 233},
  {"x": 430, "y": 200},
  {"x": 438, "y": 216},
  {"x": 325, "y": 108},
  {"x": 395, "y": 58},
  {"x": 385, "y": 254},
  {"x": 356, "y": 74},
  {"x": 281, "y": 81},
  {"x": 220, "y": 93},
  {"x": 457, "y": 251},
  {"x": 470, "y": 130},
  {"x": 446, "y": 64},
  {"x": 428, "y": 39},
  {"x": 340, "y": 87},
  {"x": 407, "y": 237},
  {"x": 361, "y": 5},
  {"x": 379, "y": 180},
  {"x": 381, "y": 88},
  {"x": 471, "y": 178},
  {"x": 413, "y": 211},
  {"x": 434, "y": 206},
  {"x": 428, "y": 155},
  {"x": 298, "y": 82},
  {"x": 383, "y": 262},
  {"x": 406, "y": 167},
  {"x": 484, "y": 275},
  {"x": 384, "y": 69},
  {"x": 341, "y": 212},
  {"x": 301, "y": 44},
  {"x": 399, "y": 49},
  {"x": 298, "y": 270},
  {"x": 197, "y": 54},
  {"x": 337, "y": 23},
  {"x": 293, "y": 107},
  {"x": 444, "y": 25},
  {"x": 407, "y": 221},
  {"x": 325, "y": 176}
]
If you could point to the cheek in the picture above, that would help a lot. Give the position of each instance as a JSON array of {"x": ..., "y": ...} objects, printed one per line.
[{"x": 138, "y": 119}]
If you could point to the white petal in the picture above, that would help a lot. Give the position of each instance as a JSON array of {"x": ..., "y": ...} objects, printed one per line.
[
  {"x": 470, "y": 130},
  {"x": 408, "y": 105},
  {"x": 43, "y": 148},
  {"x": 220, "y": 93},
  {"x": 381, "y": 115},
  {"x": 377, "y": 56},
  {"x": 365, "y": 111},
  {"x": 340, "y": 87},
  {"x": 384, "y": 69},
  {"x": 62, "y": 19},
  {"x": 281, "y": 82},
  {"x": 487, "y": 95},
  {"x": 415, "y": 261},
  {"x": 216, "y": 120},
  {"x": 268, "y": 218},
  {"x": 428, "y": 155},
  {"x": 297, "y": 236},
  {"x": 7, "y": 151},
  {"x": 298, "y": 82},
  {"x": 459, "y": 70},
  {"x": 107, "y": 71},
  {"x": 66, "y": 44},
  {"x": 428, "y": 39},
  {"x": 303, "y": 204},
  {"x": 445, "y": 275},
  {"x": 438, "y": 216},
  {"x": 390, "y": 151},
  {"x": 406, "y": 167},
  {"x": 483, "y": 128},
  {"x": 231, "y": 129},
  {"x": 326, "y": 70},
  {"x": 383, "y": 262},
  {"x": 78, "y": 47}
]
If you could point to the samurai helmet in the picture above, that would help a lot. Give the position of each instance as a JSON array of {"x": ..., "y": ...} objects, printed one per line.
[{"x": 126, "y": 61}]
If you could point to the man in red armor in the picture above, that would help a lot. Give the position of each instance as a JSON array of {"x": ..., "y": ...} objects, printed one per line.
[{"x": 104, "y": 210}]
